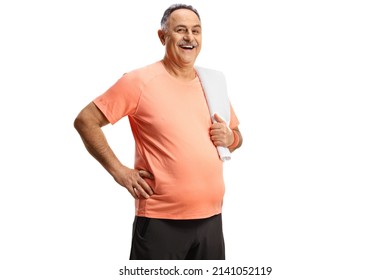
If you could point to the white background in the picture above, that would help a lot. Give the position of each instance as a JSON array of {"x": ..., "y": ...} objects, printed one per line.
[{"x": 309, "y": 81}]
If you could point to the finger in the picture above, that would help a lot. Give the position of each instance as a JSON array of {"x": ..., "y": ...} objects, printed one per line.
[
  {"x": 220, "y": 131},
  {"x": 146, "y": 174},
  {"x": 216, "y": 140},
  {"x": 132, "y": 192},
  {"x": 218, "y": 143},
  {"x": 144, "y": 184},
  {"x": 146, "y": 190},
  {"x": 219, "y": 140},
  {"x": 218, "y": 118},
  {"x": 215, "y": 132},
  {"x": 142, "y": 188},
  {"x": 137, "y": 191},
  {"x": 223, "y": 127},
  {"x": 217, "y": 126},
  {"x": 216, "y": 137}
]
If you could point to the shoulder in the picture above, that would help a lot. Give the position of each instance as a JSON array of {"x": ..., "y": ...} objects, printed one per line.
[{"x": 144, "y": 74}]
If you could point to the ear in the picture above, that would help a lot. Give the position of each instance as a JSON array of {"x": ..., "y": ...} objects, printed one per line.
[{"x": 161, "y": 35}]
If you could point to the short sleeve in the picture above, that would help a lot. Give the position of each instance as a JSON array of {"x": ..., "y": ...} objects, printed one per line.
[
  {"x": 121, "y": 99},
  {"x": 234, "y": 122}
]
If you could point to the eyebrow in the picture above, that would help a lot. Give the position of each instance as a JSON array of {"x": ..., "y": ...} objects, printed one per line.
[{"x": 182, "y": 25}]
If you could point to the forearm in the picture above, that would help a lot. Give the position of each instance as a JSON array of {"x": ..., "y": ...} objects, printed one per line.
[{"x": 97, "y": 145}]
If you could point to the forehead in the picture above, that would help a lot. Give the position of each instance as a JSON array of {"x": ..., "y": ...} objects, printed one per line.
[{"x": 183, "y": 17}]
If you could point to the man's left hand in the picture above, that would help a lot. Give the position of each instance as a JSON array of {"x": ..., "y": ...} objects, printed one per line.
[{"x": 220, "y": 133}]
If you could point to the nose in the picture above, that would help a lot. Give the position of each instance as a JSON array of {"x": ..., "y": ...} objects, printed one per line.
[{"x": 188, "y": 36}]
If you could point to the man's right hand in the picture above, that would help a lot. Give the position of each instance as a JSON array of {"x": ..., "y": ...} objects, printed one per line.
[{"x": 133, "y": 181}]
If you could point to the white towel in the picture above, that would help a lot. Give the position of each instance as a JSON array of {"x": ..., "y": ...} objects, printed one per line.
[{"x": 215, "y": 90}]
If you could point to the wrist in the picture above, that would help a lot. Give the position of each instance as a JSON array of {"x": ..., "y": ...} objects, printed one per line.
[{"x": 236, "y": 140}]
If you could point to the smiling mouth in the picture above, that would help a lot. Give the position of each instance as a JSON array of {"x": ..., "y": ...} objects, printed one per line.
[{"x": 187, "y": 47}]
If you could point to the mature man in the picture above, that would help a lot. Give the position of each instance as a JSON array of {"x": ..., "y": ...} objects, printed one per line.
[{"x": 177, "y": 180}]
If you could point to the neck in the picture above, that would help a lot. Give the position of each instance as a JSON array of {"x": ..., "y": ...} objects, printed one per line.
[{"x": 186, "y": 72}]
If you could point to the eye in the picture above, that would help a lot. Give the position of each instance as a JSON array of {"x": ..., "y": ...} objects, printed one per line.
[
  {"x": 196, "y": 31},
  {"x": 181, "y": 30}
]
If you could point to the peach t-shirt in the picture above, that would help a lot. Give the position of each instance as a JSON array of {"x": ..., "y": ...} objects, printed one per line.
[{"x": 170, "y": 122}]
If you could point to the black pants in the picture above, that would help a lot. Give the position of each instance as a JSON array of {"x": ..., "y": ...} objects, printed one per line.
[{"x": 163, "y": 239}]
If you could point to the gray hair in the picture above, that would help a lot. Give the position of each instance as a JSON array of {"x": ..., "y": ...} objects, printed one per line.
[{"x": 173, "y": 8}]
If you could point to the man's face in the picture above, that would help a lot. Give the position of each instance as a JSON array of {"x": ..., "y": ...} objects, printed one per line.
[{"x": 183, "y": 39}]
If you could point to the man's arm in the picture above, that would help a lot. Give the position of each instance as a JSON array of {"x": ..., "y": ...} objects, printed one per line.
[{"x": 88, "y": 124}]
